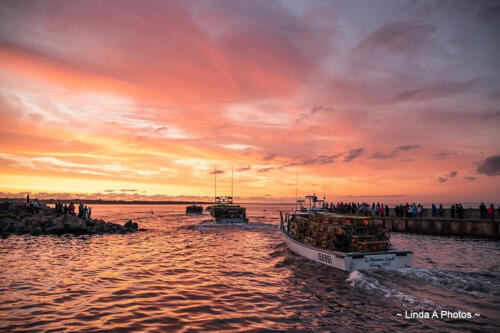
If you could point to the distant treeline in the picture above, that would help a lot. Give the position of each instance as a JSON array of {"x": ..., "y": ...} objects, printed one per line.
[
  {"x": 115, "y": 202},
  {"x": 132, "y": 202}
]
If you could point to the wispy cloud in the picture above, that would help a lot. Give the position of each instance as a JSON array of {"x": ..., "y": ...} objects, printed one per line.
[
  {"x": 395, "y": 152},
  {"x": 352, "y": 154},
  {"x": 490, "y": 166}
]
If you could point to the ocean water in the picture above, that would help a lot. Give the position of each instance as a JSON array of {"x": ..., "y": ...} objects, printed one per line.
[{"x": 187, "y": 274}]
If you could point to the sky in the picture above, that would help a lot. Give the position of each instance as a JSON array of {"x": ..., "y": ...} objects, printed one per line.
[{"x": 361, "y": 100}]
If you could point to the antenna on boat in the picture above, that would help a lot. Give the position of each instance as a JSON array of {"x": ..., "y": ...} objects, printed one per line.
[
  {"x": 215, "y": 181},
  {"x": 324, "y": 197},
  {"x": 296, "y": 186},
  {"x": 232, "y": 167},
  {"x": 324, "y": 188}
]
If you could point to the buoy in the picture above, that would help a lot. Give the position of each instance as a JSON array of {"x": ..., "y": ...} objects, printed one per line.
[{"x": 365, "y": 222}]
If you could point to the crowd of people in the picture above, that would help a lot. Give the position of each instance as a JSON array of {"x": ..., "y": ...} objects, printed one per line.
[
  {"x": 408, "y": 210},
  {"x": 487, "y": 212},
  {"x": 84, "y": 212}
]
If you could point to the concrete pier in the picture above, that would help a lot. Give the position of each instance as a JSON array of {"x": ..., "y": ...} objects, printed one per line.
[{"x": 440, "y": 226}]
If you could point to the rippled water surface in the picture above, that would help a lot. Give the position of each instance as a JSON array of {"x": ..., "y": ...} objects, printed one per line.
[{"x": 187, "y": 274}]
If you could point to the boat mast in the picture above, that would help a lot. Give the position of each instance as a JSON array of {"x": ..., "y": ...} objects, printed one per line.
[
  {"x": 324, "y": 196},
  {"x": 324, "y": 192},
  {"x": 296, "y": 191},
  {"x": 215, "y": 181},
  {"x": 232, "y": 167}
]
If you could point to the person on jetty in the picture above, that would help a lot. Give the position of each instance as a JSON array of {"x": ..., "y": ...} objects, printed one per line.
[
  {"x": 491, "y": 212},
  {"x": 36, "y": 206},
  {"x": 58, "y": 207},
  {"x": 65, "y": 209},
  {"x": 81, "y": 210},
  {"x": 71, "y": 209},
  {"x": 483, "y": 211},
  {"x": 460, "y": 211},
  {"x": 434, "y": 210},
  {"x": 27, "y": 200}
]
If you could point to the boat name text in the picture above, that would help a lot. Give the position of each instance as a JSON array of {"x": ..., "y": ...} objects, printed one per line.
[{"x": 324, "y": 258}]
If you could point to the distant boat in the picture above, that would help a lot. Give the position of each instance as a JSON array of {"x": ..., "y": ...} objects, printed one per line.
[
  {"x": 225, "y": 212},
  {"x": 194, "y": 209}
]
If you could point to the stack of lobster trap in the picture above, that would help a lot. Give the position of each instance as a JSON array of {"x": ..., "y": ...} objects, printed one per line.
[{"x": 339, "y": 233}]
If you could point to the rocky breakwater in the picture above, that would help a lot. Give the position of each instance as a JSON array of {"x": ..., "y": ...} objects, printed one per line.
[{"x": 18, "y": 218}]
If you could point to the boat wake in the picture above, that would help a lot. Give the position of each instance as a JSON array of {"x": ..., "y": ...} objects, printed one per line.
[
  {"x": 371, "y": 285},
  {"x": 406, "y": 286},
  {"x": 252, "y": 226},
  {"x": 475, "y": 284}
]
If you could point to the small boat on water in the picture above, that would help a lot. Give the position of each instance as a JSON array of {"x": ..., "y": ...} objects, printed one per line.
[
  {"x": 226, "y": 212},
  {"x": 346, "y": 243},
  {"x": 194, "y": 209}
]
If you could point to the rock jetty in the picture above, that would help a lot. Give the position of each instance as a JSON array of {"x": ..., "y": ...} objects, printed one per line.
[{"x": 18, "y": 218}]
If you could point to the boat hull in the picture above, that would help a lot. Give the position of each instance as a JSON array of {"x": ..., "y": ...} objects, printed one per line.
[
  {"x": 235, "y": 220},
  {"x": 228, "y": 214},
  {"x": 350, "y": 261},
  {"x": 194, "y": 210}
]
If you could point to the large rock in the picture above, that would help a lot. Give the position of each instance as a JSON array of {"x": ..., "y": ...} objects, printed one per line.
[
  {"x": 77, "y": 226},
  {"x": 36, "y": 231},
  {"x": 6, "y": 224},
  {"x": 18, "y": 218}
]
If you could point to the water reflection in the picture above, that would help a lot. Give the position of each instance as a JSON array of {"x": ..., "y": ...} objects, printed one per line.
[{"x": 185, "y": 273}]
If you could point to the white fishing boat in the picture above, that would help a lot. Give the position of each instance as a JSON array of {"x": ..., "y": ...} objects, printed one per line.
[{"x": 346, "y": 261}]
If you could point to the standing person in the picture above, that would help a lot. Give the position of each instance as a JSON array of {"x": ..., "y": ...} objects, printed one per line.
[
  {"x": 441, "y": 210},
  {"x": 85, "y": 212},
  {"x": 386, "y": 210},
  {"x": 491, "y": 211},
  {"x": 80, "y": 210},
  {"x": 434, "y": 210},
  {"x": 28, "y": 199},
  {"x": 420, "y": 210},
  {"x": 65, "y": 209},
  {"x": 35, "y": 206},
  {"x": 90, "y": 212},
  {"x": 460, "y": 211},
  {"x": 482, "y": 210},
  {"x": 71, "y": 208},
  {"x": 452, "y": 211}
]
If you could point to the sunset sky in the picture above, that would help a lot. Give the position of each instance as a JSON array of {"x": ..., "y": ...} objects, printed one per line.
[{"x": 372, "y": 100}]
